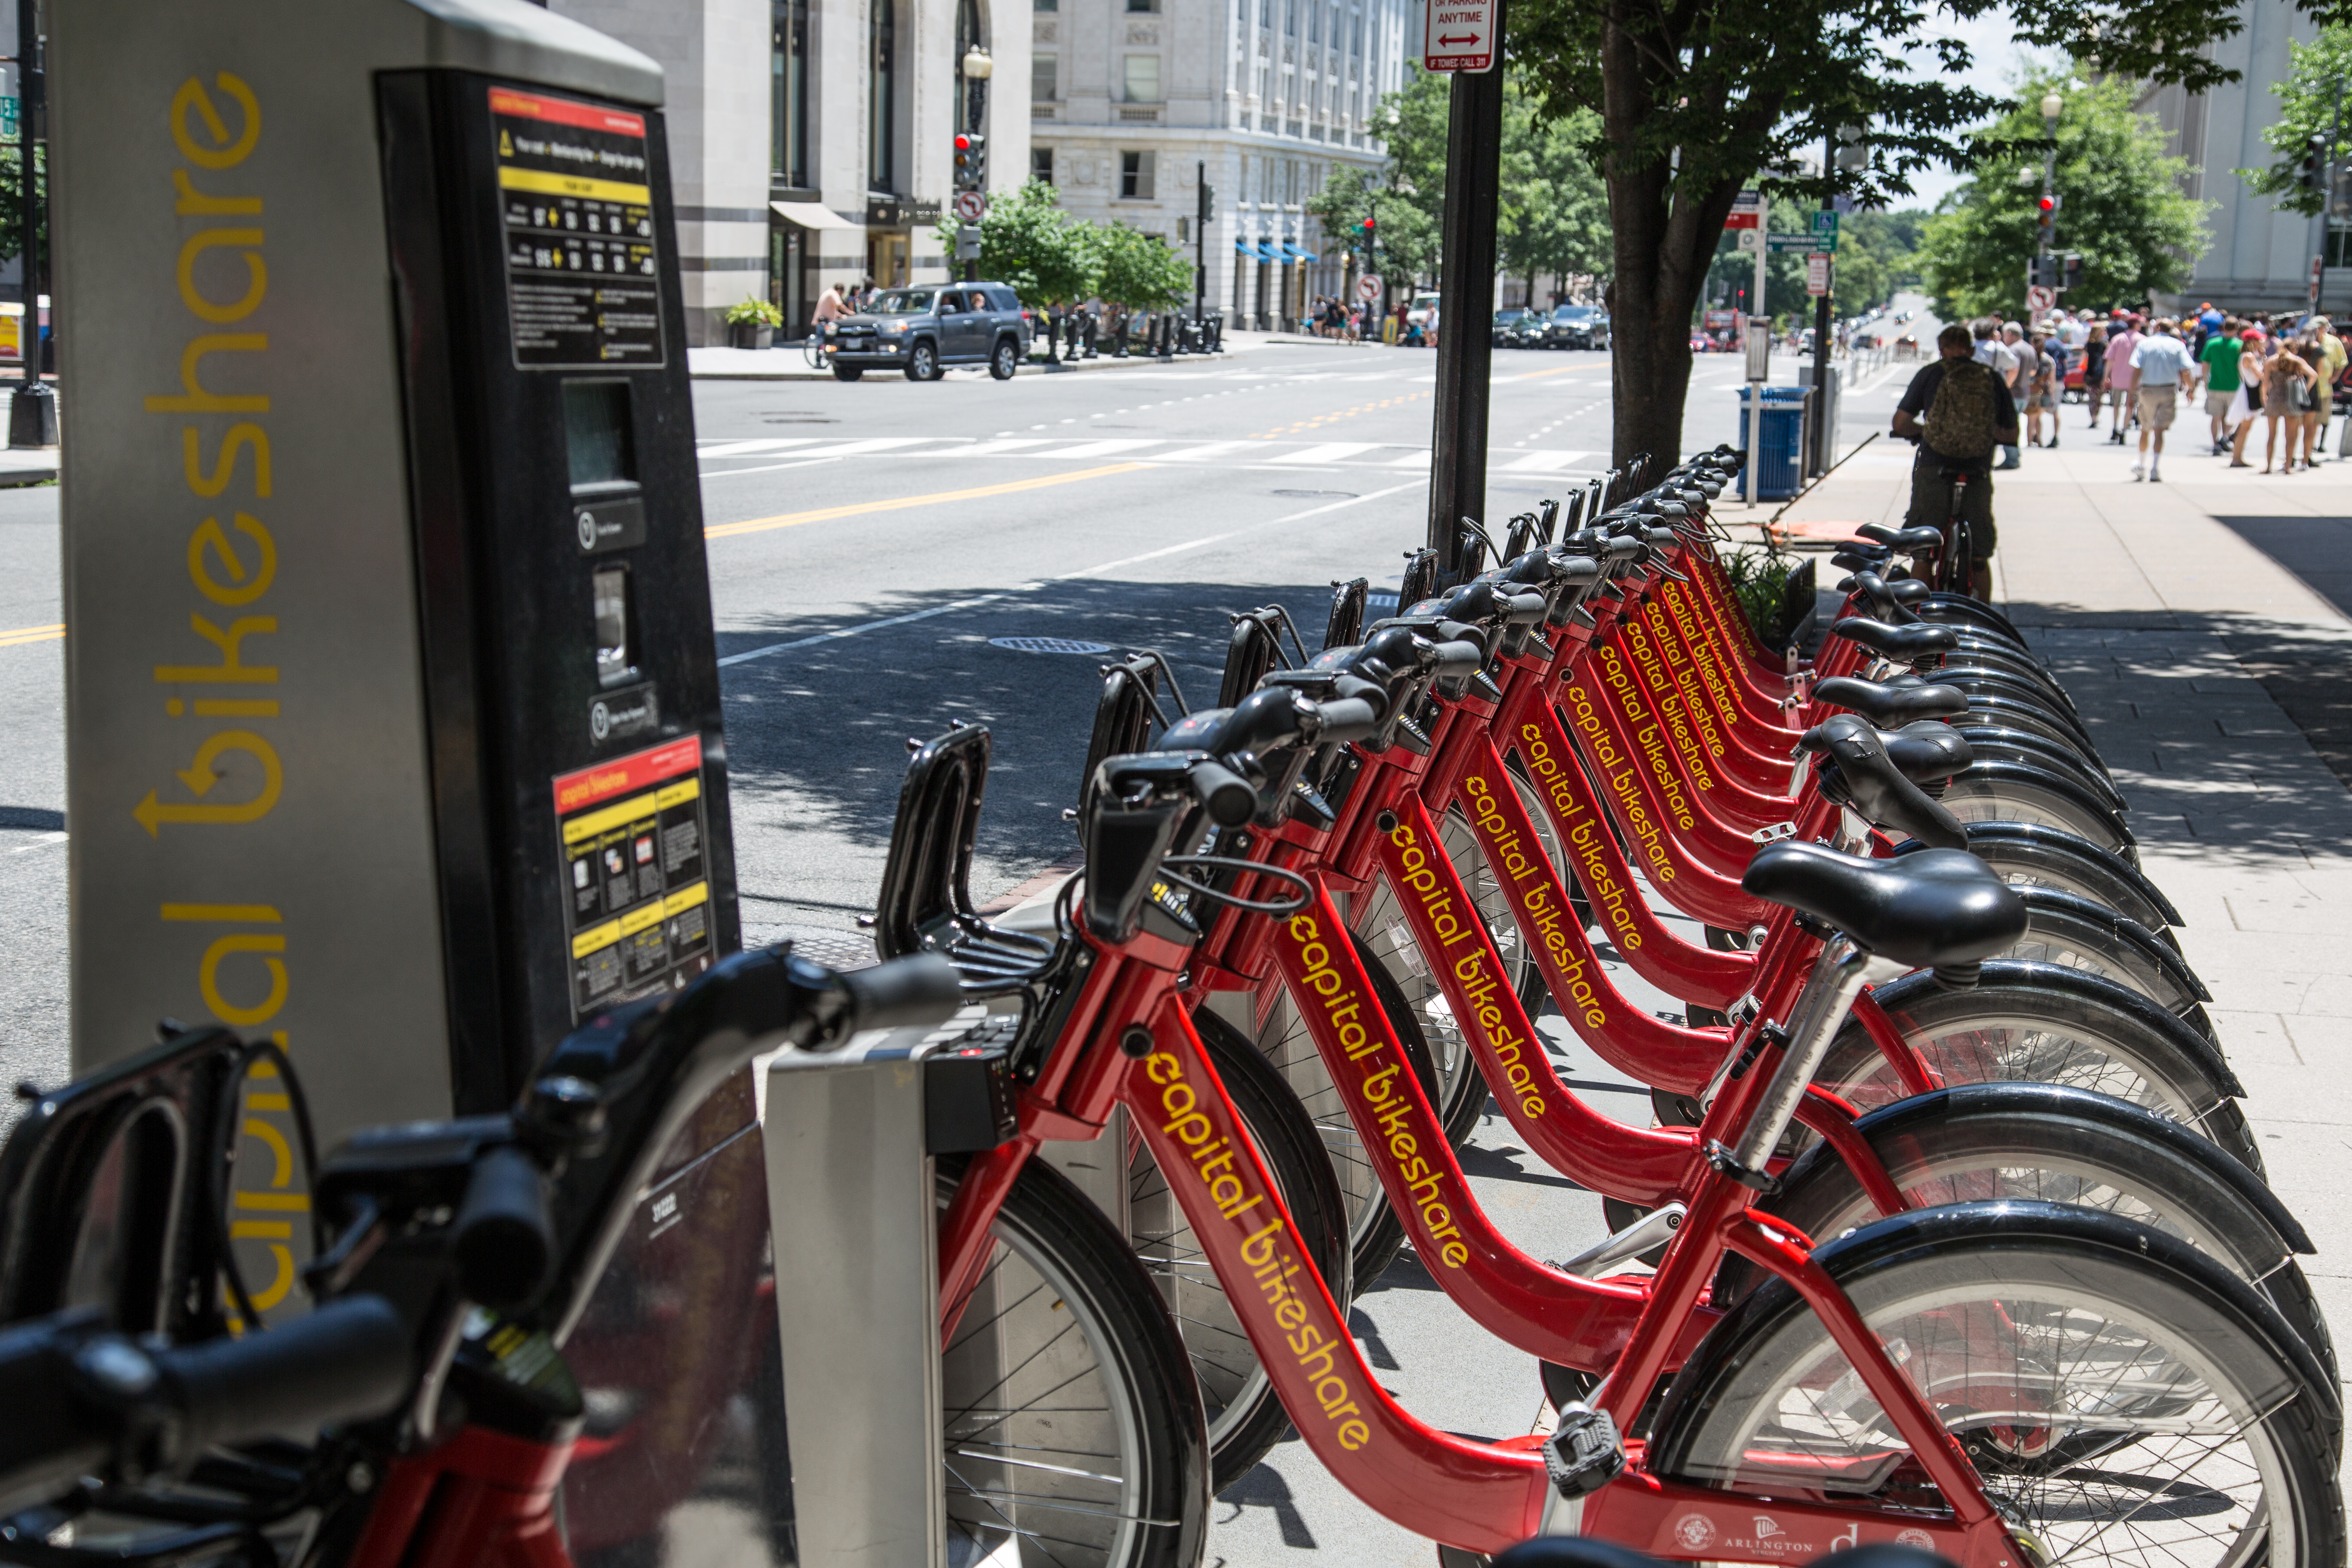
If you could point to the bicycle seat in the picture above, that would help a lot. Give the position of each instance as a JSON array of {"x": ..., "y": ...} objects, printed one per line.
[
  {"x": 1857, "y": 772},
  {"x": 1928, "y": 752},
  {"x": 1904, "y": 643},
  {"x": 1891, "y": 704},
  {"x": 1908, "y": 591},
  {"x": 1906, "y": 540},
  {"x": 1884, "y": 605},
  {"x": 1941, "y": 908}
]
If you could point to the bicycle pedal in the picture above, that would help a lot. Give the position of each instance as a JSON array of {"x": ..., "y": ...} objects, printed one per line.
[
  {"x": 1583, "y": 1453},
  {"x": 1774, "y": 834}
]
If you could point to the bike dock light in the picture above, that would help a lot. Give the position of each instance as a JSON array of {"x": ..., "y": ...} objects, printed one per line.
[{"x": 394, "y": 719}]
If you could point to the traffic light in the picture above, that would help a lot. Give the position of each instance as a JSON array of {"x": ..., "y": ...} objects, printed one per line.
[
  {"x": 2041, "y": 272},
  {"x": 970, "y": 161},
  {"x": 2070, "y": 272},
  {"x": 1208, "y": 208},
  {"x": 1369, "y": 235},
  {"x": 2314, "y": 148}
]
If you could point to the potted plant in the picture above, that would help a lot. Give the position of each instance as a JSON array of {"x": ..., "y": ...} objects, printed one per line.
[{"x": 752, "y": 324}]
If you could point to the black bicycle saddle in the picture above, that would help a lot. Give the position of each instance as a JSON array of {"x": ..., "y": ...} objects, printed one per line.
[
  {"x": 1943, "y": 908},
  {"x": 1904, "y": 643},
  {"x": 1909, "y": 591},
  {"x": 1856, "y": 771},
  {"x": 1929, "y": 753},
  {"x": 1891, "y": 704},
  {"x": 1906, "y": 540}
]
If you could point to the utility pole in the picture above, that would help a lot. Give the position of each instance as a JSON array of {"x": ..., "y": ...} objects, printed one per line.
[
  {"x": 1825, "y": 438},
  {"x": 1465, "y": 310},
  {"x": 33, "y": 412},
  {"x": 2327, "y": 197},
  {"x": 1207, "y": 203}
]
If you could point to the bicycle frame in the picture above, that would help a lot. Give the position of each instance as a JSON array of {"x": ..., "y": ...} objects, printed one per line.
[{"x": 1479, "y": 1497}]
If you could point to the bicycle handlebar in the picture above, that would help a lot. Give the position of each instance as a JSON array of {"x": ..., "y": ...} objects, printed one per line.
[
  {"x": 503, "y": 1238},
  {"x": 89, "y": 1401},
  {"x": 924, "y": 988}
]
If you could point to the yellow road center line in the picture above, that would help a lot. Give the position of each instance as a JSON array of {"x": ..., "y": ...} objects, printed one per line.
[
  {"x": 825, "y": 514},
  {"x": 24, "y": 635}
]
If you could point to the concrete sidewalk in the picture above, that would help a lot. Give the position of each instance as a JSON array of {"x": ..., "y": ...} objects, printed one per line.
[{"x": 2203, "y": 626}]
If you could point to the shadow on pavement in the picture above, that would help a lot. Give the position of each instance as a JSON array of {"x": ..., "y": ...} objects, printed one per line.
[
  {"x": 2318, "y": 550},
  {"x": 817, "y": 735}
]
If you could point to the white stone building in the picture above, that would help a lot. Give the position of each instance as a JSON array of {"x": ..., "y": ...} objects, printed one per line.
[
  {"x": 1132, "y": 103},
  {"x": 2258, "y": 258},
  {"x": 810, "y": 140}
]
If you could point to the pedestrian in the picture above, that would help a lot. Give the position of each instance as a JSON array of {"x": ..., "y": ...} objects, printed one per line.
[
  {"x": 2160, "y": 362},
  {"x": 2094, "y": 368},
  {"x": 2249, "y": 402},
  {"x": 2284, "y": 375},
  {"x": 2122, "y": 379},
  {"x": 1959, "y": 411},
  {"x": 2218, "y": 371},
  {"x": 2041, "y": 371},
  {"x": 2330, "y": 365},
  {"x": 1992, "y": 351}
]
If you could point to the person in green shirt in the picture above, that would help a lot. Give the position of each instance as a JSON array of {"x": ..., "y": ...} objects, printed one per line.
[{"x": 2219, "y": 359}]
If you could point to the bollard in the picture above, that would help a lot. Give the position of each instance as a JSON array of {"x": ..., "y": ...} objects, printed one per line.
[
  {"x": 1094, "y": 325},
  {"x": 1167, "y": 337}
]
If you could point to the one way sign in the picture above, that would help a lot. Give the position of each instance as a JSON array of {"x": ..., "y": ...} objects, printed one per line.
[{"x": 1461, "y": 38}]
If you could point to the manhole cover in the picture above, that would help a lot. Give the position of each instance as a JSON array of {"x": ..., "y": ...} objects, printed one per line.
[
  {"x": 1048, "y": 645},
  {"x": 1319, "y": 495}
]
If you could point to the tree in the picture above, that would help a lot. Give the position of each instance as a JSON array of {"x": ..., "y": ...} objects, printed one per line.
[
  {"x": 1554, "y": 215},
  {"x": 2309, "y": 101},
  {"x": 11, "y": 222},
  {"x": 1028, "y": 241},
  {"x": 1139, "y": 269},
  {"x": 1697, "y": 98},
  {"x": 2119, "y": 206},
  {"x": 1402, "y": 230}
]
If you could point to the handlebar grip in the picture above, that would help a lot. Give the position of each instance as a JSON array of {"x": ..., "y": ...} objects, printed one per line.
[
  {"x": 1227, "y": 795},
  {"x": 1524, "y": 609},
  {"x": 1349, "y": 719},
  {"x": 346, "y": 1361},
  {"x": 504, "y": 1236},
  {"x": 923, "y": 988},
  {"x": 1450, "y": 659}
]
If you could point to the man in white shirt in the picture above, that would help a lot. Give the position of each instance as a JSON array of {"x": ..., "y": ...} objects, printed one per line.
[
  {"x": 2004, "y": 360},
  {"x": 2161, "y": 362}
]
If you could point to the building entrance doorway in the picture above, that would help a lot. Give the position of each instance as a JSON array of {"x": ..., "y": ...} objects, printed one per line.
[{"x": 886, "y": 260}]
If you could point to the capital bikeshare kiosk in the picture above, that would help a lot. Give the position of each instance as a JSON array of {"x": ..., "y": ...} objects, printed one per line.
[{"x": 393, "y": 719}]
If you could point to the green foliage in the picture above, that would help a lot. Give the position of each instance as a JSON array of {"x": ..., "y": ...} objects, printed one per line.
[
  {"x": 1405, "y": 233},
  {"x": 1139, "y": 269},
  {"x": 12, "y": 225},
  {"x": 1554, "y": 213},
  {"x": 2120, "y": 206},
  {"x": 1878, "y": 257},
  {"x": 1761, "y": 579},
  {"x": 754, "y": 313},
  {"x": 1028, "y": 241},
  {"x": 2316, "y": 72}
]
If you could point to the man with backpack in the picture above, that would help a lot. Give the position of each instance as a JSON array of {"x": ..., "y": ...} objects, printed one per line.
[{"x": 1959, "y": 410}]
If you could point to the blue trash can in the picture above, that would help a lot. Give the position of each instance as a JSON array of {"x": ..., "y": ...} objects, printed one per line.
[{"x": 1780, "y": 450}]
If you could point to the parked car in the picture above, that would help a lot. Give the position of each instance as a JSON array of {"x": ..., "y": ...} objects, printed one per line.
[
  {"x": 922, "y": 330},
  {"x": 1577, "y": 327},
  {"x": 1507, "y": 325},
  {"x": 1423, "y": 306}
]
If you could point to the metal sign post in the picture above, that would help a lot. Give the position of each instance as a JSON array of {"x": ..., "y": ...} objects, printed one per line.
[
  {"x": 1465, "y": 314},
  {"x": 1760, "y": 371}
]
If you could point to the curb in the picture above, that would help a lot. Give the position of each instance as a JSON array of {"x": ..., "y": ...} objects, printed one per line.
[{"x": 1028, "y": 367}]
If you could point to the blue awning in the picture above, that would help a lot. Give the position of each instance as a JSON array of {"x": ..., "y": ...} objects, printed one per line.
[
  {"x": 1305, "y": 255},
  {"x": 1243, "y": 246},
  {"x": 1265, "y": 251}
]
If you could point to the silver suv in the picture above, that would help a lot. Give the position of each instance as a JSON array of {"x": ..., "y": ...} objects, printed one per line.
[{"x": 922, "y": 330}]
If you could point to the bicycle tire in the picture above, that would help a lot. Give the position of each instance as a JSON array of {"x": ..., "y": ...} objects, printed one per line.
[
  {"x": 1375, "y": 1235},
  {"x": 2040, "y": 1142},
  {"x": 2024, "y": 1278},
  {"x": 2000, "y": 744},
  {"x": 2037, "y": 1023},
  {"x": 1017, "y": 1379},
  {"x": 2025, "y": 854},
  {"x": 2070, "y": 930},
  {"x": 1990, "y": 790},
  {"x": 1992, "y": 708},
  {"x": 1244, "y": 1415},
  {"x": 1947, "y": 609}
]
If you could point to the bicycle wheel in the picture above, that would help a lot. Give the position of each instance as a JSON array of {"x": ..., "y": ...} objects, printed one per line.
[
  {"x": 1074, "y": 1436},
  {"x": 2036, "y": 1022},
  {"x": 1244, "y": 1417},
  {"x": 2122, "y": 1396},
  {"x": 2073, "y": 933},
  {"x": 2041, "y": 857},
  {"x": 1989, "y": 1141},
  {"x": 2010, "y": 792},
  {"x": 1375, "y": 1234},
  {"x": 1461, "y": 1089}
]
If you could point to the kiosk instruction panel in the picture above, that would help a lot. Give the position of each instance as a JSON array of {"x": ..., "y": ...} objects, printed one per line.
[
  {"x": 582, "y": 276},
  {"x": 633, "y": 846}
]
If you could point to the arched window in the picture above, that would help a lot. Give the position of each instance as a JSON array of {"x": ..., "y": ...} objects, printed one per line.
[{"x": 882, "y": 101}]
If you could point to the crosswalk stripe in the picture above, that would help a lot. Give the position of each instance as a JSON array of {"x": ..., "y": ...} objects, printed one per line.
[
  {"x": 1198, "y": 454},
  {"x": 1330, "y": 452},
  {"x": 1544, "y": 462},
  {"x": 1102, "y": 448},
  {"x": 1417, "y": 458},
  {"x": 873, "y": 444},
  {"x": 747, "y": 448},
  {"x": 991, "y": 448}
]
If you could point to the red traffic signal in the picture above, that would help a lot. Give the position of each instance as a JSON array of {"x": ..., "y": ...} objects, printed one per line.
[
  {"x": 1368, "y": 226},
  {"x": 2049, "y": 204},
  {"x": 963, "y": 143}
]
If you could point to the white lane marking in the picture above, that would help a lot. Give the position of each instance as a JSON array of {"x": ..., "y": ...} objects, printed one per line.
[
  {"x": 1102, "y": 448},
  {"x": 876, "y": 444},
  {"x": 1330, "y": 451},
  {"x": 1201, "y": 453},
  {"x": 764, "y": 445},
  {"x": 993, "y": 448},
  {"x": 978, "y": 599},
  {"x": 772, "y": 468},
  {"x": 43, "y": 842},
  {"x": 1544, "y": 462}
]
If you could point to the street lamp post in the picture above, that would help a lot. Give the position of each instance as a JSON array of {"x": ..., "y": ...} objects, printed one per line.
[
  {"x": 2052, "y": 105},
  {"x": 977, "y": 68}
]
